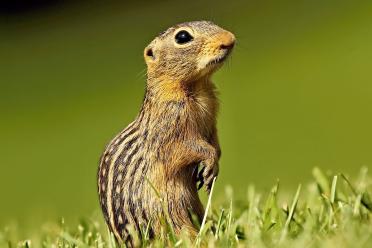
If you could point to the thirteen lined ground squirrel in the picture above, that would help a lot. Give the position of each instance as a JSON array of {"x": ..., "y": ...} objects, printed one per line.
[{"x": 173, "y": 134}]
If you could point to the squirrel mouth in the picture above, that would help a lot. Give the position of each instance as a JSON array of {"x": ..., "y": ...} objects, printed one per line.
[{"x": 219, "y": 59}]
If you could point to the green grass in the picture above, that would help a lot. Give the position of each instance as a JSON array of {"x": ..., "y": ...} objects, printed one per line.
[{"x": 331, "y": 211}]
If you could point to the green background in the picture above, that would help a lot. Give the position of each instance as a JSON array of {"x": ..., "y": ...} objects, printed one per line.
[{"x": 295, "y": 94}]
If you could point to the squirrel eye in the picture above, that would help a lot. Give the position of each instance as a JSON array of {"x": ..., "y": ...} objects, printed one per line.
[
  {"x": 183, "y": 37},
  {"x": 149, "y": 53}
]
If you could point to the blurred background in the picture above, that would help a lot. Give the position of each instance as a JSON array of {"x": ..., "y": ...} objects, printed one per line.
[{"x": 295, "y": 94}]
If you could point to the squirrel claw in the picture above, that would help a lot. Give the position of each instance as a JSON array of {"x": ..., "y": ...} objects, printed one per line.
[
  {"x": 201, "y": 183},
  {"x": 208, "y": 176},
  {"x": 200, "y": 178}
]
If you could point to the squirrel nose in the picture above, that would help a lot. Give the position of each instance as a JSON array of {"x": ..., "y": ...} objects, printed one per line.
[
  {"x": 227, "y": 41},
  {"x": 227, "y": 46}
]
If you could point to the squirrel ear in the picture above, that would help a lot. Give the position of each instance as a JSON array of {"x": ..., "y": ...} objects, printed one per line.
[{"x": 149, "y": 54}]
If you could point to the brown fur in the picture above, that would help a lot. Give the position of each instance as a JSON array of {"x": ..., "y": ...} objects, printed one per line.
[{"x": 174, "y": 132}]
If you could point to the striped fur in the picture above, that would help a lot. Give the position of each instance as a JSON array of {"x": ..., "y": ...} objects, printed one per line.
[{"x": 174, "y": 132}]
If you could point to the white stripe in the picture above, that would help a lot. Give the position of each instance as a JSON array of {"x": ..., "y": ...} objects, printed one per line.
[{"x": 110, "y": 184}]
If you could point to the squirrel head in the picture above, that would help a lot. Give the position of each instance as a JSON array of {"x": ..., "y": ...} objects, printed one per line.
[{"x": 188, "y": 52}]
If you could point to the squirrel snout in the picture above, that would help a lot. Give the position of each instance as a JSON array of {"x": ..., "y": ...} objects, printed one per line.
[{"x": 227, "y": 41}]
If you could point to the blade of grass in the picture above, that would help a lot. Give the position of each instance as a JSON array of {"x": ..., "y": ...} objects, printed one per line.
[
  {"x": 230, "y": 216},
  {"x": 112, "y": 241},
  {"x": 332, "y": 202},
  {"x": 206, "y": 212},
  {"x": 219, "y": 223},
  {"x": 321, "y": 180},
  {"x": 72, "y": 240},
  {"x": 365, "y": 199},
  {"x": 333, "y": 189},
  {"x": 291, "y": 213}
]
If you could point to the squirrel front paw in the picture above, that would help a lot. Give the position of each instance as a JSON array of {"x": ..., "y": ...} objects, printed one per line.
[{"x": 208, "y": 172}]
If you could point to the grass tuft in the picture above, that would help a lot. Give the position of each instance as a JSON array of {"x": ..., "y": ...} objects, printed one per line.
[{"x": 330, "y": 212}]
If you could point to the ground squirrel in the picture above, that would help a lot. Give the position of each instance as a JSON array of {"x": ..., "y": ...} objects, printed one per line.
[{"x": 173, "y": 134}]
